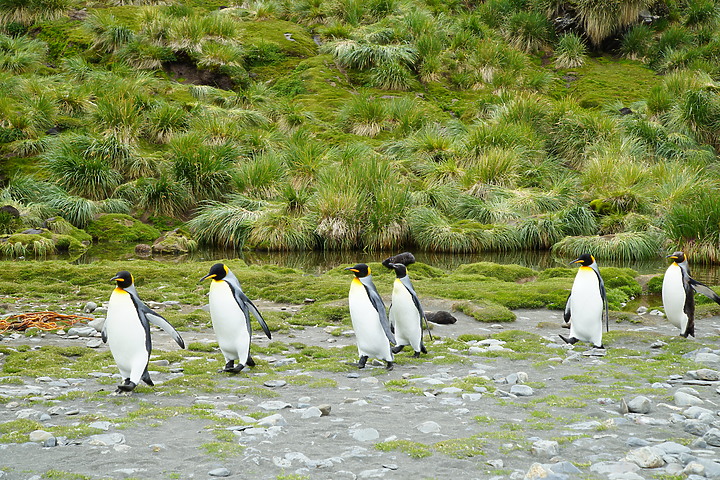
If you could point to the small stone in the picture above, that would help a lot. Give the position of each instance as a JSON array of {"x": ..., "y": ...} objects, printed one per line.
[
  {"x": 696, "y": 412},
  {"x": 272, "y": 421},
  {"x": 90, "y": 307},
  {"x": 324, "y": 409},
  {"x": 311, "y": 412},
  {"x": 683, "y": 399},
  {"x": 50, "y": 442},
  {"x": 695, "y": 427},
  {"x": 522, "y": 390},
  {"x": 95, "y": 343},
  {"x": 40, "y": 436},
  {"x": 704, "y": 357},
  {"x": 106, "y": 439},
  {"x": 645, "y": 457},
  {"x": 97, "y": 324},
  {"x": 364, "y": 434},
  {"x": 545, "y": 448},
  {"x": 81, "y": 331},
  {"x": 219, "y": 472},
  {"x": 694, "y": 468},
  {"x": 658, "y": 344},
  {"x": 639, "y": 404},
  {"x": 712, "y": 437},
  {"x": 641, "y": 310},
  {"x": 274, "y": 405},
  {"x": 275, "y": 383},
  {"x": 706, "y": 374},
  {"x": 538, "y": 471},
  {"x": 429, "y": 427}
]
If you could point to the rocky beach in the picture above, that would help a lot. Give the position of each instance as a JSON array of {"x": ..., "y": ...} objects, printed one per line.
[{"x": 489, "y": 401}]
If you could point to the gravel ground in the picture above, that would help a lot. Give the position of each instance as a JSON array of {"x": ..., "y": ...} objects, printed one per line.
[{"x": 569, "y": 414}]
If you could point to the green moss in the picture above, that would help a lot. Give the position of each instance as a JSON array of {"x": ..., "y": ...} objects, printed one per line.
[
  {"x": 555, "y": 272},
  {"x": 16, "y": 431},
  {"x": 506, "y": 273},
  {"x": 60, "y": 475},
  {"x": 485, "y": 311},
  {"x": 121, "y": 228},
  {"x": 413, "y": 449},
  {"x": 602, "y": 80},
  {"x": 222, "y": 449},
  {"x": 462, "y": 447},
  {"x": 61, "y": 226}
]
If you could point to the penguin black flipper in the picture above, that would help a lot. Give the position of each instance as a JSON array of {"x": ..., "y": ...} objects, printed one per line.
[
  {"x": 603, "y": 295},
  {"x": 704, "y": 289},
  {"x": 377, "y": 302},
  {"x": 246, "y": 305},
  {"x": 256, "y": 313},
  {"x": 689, "y": 307},
  {"x": 157, "y": 320},
  {"x": 567, "y": 313},
  {"x": 406, "y": 282}
]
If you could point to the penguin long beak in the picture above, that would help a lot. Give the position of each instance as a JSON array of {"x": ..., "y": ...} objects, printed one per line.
[
  {"x": 115, "y": 279},
  {"x": 577, "y": 260},
  {"x": 672, "y": 256},
  {"x": 209, "y": 275},
  {"x": 355, "y": 270}
]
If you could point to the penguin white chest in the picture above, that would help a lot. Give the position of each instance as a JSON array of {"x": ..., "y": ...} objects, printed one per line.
[
  {"x": 126, "y": 335},
  {"x": 673, "y": 295},
  {"x": 586, "y": 307},
  {"x": 405, "y": 317},
  {"x": 369, "y": 334},
  {"x": 229, "y": 322}
]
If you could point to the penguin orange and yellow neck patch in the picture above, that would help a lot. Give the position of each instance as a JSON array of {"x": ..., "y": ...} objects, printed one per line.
[{"x": 120, "y": 290}]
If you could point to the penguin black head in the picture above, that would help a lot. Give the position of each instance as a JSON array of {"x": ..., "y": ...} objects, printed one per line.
[
  {"x": 360, "y": 270},
  {"x": 124, "y": 279},
  {"x": 679, "y": 257},
  {"x": 585, "y": 260},
  {"x": 400, "y": 269},
  {"x": 217, "y": 272}
]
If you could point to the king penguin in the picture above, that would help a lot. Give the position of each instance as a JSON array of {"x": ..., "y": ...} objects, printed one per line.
[
  {"x": 586, "y": 304},
  {"x": 127, "y": 332},
  {"x": 678, "y": 294},
  {"x": 406, "y": 314},
  {"x": 369, "y": 320},
  {"x": 230, "y": 312}
]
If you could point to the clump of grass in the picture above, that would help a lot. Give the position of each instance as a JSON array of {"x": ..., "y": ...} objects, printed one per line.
[
  {"x": 570, "y": 51},
  {"x": 485, "y": 311},
  {"x": 413, "y": 449},
  {"x": 622, "y": 246}
]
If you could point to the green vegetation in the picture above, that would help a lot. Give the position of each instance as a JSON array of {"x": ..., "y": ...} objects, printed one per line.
[{"x": 440, "y": 126}]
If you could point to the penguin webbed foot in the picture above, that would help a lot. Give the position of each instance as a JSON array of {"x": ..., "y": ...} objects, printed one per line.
[
  {"x": 566, "y": 325},
  {"x": 397, "y": 348},
  {"x": 570, "y": 340},
  {"x": 230, "y": 367},
  {"x": 250, "y": 362},
  {"x": 389, "y": 366},
  {"x": 417, "y": 354},
  {"x": 126, "y": 387},
  {"x": 422, "y": 348},
  {"x": 362, "y": 361}
]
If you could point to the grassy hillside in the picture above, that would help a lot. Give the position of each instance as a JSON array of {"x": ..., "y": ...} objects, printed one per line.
[{"x": 378, "y": 124}]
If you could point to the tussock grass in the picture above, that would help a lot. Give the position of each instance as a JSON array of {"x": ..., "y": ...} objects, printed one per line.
[{"x": 622, "y": 246}]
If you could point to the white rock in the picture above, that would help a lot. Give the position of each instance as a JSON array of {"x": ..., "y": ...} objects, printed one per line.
[
  {"x": 364, "y": 434},
  {"x": 429, "y": 427},
  {"x": 106, "y": 439},
  {"x": 683, "y": 399},
  {"x": 522, "y": 390},
  {"x": 645, "y": 457},
  {"x": 639, "y": 404},
  {"x": 274, "y": 405},
  {"x": 311, "y": 412},
  {"x": 272, "y": 421},
  {"x": 545, "y": 448},
  {"x": 39, "y": 436}
]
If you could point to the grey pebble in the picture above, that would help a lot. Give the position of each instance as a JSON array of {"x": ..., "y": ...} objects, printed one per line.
[
  {"x": 219, "y": 472},
  {"x": 275, "y": 383},
  {"x": 639, "y": 404},
  {"x": 522, "y": 390}
]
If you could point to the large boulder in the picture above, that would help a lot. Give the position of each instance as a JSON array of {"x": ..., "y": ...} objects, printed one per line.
[{"x": 175, "y": 243}]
